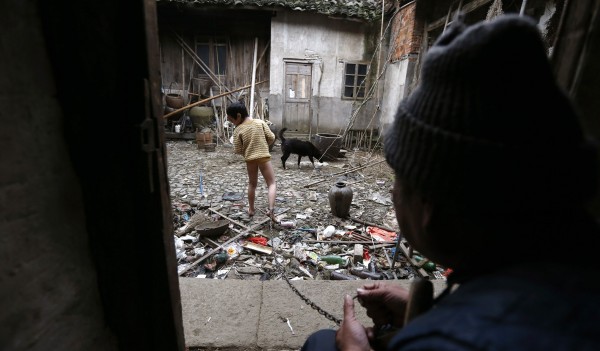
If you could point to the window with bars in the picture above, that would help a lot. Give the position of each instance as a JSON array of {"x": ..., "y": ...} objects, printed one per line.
[
  {"x": 355, "y": 80},
  {"x": 213, "y": 52}
]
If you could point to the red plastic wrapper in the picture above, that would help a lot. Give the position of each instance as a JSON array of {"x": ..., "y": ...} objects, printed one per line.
[
  {"x": 366, "y": 255},
  {"x": 261, "y": 240},
  {"x": 381, "y": 234}
]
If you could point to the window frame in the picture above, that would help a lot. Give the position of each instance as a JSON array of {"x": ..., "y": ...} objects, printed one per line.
[
  {"x": 356, "y": 75},
  {"x": 308, "y": 82},
  {"x": 215, "y": 45}
]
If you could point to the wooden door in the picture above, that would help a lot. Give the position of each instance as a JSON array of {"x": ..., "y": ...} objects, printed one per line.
[{"x": 298, "y": 89}]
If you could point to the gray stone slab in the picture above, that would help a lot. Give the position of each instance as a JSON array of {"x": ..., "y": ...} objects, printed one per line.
[
  {"x": 220, "y": 313},
  {"x": 282, "y": 302},
  {"x": 250, "y": 314}
]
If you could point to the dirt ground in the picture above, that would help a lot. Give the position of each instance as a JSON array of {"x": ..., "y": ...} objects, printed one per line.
[{"x": 215, "y": 238}]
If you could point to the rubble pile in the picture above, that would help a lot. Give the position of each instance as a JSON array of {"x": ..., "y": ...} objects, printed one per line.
[{"x": 215, "y": 237}]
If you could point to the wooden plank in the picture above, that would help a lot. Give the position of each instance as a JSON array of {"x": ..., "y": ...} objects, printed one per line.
[{"x": 473, "y": 5}]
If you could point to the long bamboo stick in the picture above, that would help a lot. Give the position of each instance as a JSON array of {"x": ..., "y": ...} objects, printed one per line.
[
  {"x": 344, "y": 172},
  {"x": 209, "y": 99}
]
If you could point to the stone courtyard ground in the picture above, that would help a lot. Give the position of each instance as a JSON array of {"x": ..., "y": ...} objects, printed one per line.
[{"x": 209, "y": 188}]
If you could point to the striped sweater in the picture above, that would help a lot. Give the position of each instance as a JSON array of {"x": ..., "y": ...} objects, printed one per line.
[{"x": 252, "y": 138}]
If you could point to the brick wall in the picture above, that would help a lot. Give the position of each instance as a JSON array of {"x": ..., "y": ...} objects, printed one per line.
[{"x": 407, "y": 33}]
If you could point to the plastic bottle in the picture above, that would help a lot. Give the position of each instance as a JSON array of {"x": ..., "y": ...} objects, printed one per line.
[
  {"x": 287, "y": 224},
  {"x": 428, "y": 266},
  {"x": 363, "y": 273},
  {"x": 341, "y": 276},
  {"x": 333, "y": 259}
]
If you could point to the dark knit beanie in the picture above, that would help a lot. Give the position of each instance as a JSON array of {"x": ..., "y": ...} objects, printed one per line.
[{"x": 487, "y": 127}]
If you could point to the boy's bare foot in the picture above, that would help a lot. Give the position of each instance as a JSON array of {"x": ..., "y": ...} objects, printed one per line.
[
  {"x": 271, "y": 214},
  {"x": 250, "y": 213}
]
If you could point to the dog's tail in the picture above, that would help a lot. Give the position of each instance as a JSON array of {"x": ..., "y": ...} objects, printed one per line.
[{"x": 281, "y": 134}]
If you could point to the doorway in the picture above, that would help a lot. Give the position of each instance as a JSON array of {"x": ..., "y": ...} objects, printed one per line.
[{"x": 297, "y": 90}]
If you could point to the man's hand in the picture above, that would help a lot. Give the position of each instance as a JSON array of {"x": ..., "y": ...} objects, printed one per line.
[
  {"x": 385, "y": 303},
  {"x": 351, "y": 336}
]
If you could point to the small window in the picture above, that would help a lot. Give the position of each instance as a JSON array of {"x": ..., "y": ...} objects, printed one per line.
[
  {"x": 355, "y": 80},
  {"x": 213, "y": 52},
  {"x": 297, "y": 82}
]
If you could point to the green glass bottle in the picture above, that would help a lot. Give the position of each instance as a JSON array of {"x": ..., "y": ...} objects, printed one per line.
[{"x": 333, "y": 259}]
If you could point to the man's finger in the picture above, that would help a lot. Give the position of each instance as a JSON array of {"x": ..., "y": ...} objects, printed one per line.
[{"x": 348, "y": 307}]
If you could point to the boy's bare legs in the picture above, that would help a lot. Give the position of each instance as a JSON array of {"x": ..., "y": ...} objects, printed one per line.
[
  {"x": 252, "y": 168},
  {"x": 266, "y": 169}
]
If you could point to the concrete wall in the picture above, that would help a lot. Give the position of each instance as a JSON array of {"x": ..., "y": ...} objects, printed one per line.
[
  {"x": 406, "y": 41},
  {"x": 49, "y": 297},
  {"x": 81, "y": 209},
  {"x": 327, "y": 43},
  {"x": 394, "y": 91}
]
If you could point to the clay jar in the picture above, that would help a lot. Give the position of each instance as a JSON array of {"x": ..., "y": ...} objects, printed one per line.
[{"x": 340, "y": 199}]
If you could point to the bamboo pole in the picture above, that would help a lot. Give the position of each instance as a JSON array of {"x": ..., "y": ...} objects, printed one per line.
[
  {"x": 344, "y": 172},
  {"x": 209, "y": 99},
  {"x": 253, "y": 78},
  {"x": 372, "y": 224}
]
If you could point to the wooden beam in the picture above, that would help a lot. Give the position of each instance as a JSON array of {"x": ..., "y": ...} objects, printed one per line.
[
  {"x": 209, "y": 99},
  {"x": 473, "y": 5}
]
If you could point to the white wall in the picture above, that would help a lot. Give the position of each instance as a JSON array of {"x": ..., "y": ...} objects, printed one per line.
[
  {"x": 327, "y": 43},
  {"x": 394, "y": 91}
]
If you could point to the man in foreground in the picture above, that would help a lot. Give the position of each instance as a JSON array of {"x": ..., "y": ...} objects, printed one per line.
[{"x": 492, "y": 177}]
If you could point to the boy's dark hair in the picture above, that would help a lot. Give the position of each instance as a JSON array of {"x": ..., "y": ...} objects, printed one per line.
[{"x": 237, "y": 107}]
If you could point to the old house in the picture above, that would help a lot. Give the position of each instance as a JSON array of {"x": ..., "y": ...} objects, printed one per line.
[
  {"x": 315, "y": 62},
  {"x": 319, "y": 66}
]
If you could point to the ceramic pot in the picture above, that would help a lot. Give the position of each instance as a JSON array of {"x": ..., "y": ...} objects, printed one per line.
[
  {"x": 340, "y": 199},
  {"x": 174, "y": 101}
]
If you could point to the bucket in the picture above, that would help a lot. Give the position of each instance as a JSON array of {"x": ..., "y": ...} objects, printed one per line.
[
  {"x": 174, "y": 101},
  {"x": 329, "y": 145},
  {"x": 203, "y": 138}
]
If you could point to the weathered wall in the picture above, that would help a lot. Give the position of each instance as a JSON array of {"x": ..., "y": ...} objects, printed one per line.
[
  {"x": 86, "y": 250},
  {"x": 405, "y": 45},
  {"x": 238, "y": 28},
  {"x": 394, "y": 87},
  {"x": 327, "y": 43},
  {"x": 49, "y": 295}
]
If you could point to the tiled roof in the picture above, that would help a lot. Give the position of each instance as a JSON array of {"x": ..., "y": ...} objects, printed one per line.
[{"x": 365, "y": 9}]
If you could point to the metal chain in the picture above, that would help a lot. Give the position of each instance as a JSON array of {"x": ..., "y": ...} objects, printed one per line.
[{"x": 310, "y": 303}]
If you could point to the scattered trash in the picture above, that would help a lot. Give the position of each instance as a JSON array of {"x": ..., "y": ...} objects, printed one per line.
[
  {"x": 232, "y": 196},
  {"x": 381, "y": 234},
  {"x": 216, "y": 238},
  {"x": 328, "y": 232},
  {"x": 287, "y": 224},
  {"x": 290, "y": 325}
]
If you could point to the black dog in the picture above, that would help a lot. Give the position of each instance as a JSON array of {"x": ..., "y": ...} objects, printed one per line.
[{"x": 298, "y": 147}]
